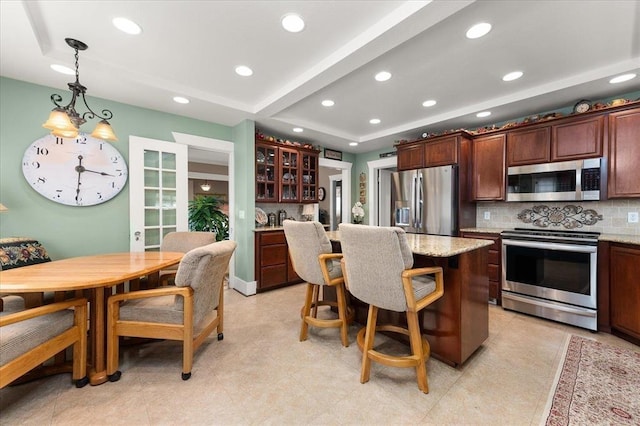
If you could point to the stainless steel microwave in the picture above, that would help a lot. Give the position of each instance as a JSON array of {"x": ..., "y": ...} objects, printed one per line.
[{"x": 577, "y": 180}]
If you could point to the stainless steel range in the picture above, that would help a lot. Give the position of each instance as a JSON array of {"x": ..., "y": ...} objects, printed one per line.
[{"x": 551, "y": 274}]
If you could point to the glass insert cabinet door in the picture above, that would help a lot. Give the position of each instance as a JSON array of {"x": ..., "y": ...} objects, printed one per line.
[{"x": 158, "y": 193}]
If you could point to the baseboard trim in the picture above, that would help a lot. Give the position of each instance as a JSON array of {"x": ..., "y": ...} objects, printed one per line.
[{"x": 243, "y": 287}]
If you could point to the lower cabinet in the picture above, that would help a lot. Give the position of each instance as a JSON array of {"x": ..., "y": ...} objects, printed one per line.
[
  {"x": 494, "y": 264},
  {"x": 625, "y": 289},
  {"x": 273, "y": 266}
]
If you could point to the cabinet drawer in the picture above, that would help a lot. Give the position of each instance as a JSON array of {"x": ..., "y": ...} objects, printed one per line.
[
  {"x": 273, "y": 275},
  {"x": 494, "y": 256},
  {"x": 272, "y": 238},
  {"x": 273, "y": 255},
  {"x": 494, "y": 272}
]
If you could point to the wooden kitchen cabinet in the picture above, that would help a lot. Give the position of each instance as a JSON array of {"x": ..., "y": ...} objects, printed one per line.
[
  {"x": 488, "y": 178},
  {"x": 577, "y": 139},
  {"x": 625, "y": 289},
  {"x": 494, "y": 263},
  {"x": 528, "y": 146},
  {"x": 285, "y": 173},
  {"x": 410, "y": 156},
  {"x": 624, "y": 154},
  {"x": 441, "y": 152},
  {"x": 273, "y": 266}
]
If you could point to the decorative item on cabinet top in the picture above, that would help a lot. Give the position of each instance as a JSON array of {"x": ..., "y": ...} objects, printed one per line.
[{"x": 261, "y": 137}]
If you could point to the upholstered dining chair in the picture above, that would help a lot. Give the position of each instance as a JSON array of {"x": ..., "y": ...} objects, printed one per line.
[
  {"x": 378, "y": 270},
  {"x": 313, "y": 260},
  {"x": 182, "y": 242},
  {"x": 30, "y": 337},
  {"x": 188, "y": 311}
]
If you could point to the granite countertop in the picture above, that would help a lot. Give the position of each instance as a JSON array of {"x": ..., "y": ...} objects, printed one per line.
[
  {"x": 483, "y": 230},
  {"x": 435, "y": 245},
  {"x": 275, "y": 228},
  {"x": 614, "y": 238}
]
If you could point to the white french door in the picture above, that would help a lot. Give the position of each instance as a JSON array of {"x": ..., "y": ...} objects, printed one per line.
[{"x": 157, "y": 191}]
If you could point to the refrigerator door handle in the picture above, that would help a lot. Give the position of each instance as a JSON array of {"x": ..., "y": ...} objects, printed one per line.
[{"x": 418, "y": 198}]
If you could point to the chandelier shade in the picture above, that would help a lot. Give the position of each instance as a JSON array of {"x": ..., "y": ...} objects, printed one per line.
[
  {"x": 205, "y": 186},
  {"x": 64, "y": 121}
]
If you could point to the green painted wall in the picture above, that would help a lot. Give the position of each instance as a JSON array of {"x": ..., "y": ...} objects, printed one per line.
[
  {"x": 74, "y": 231},
  {"x": 244, "y": 175}
]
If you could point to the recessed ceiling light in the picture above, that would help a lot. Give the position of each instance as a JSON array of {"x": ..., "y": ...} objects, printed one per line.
[
  {"x": 180, "y": 100},
  {"x": 353, "y": 143},
  {"x": 478, "y": 30},
  {"x": 429, "y": 103},
  {"x": 383, "y": 76},
  {"x": 328, "y": 103},
  {"x": 292, "y": 22},
  {"x": 483, "y": 114},
  {"x": 374, "y": 121},
  {"x": 127, "y": 26},
  {"x": 512, "y": 76},
  {"x": 244, "y": 70},
  {"x": 298, "y": 129},
  {"x": 622, "y": 78},
  {"x": 62, "y": 69}
]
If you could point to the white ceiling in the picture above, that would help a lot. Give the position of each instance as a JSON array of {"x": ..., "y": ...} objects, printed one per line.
[{"x": 568, "y": 51}]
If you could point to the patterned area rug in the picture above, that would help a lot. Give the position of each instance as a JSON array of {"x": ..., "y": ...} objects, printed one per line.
[{"x": 597, "y": 384}]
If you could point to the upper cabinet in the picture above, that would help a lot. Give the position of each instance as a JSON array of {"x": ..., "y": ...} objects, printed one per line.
[
  {"x": 433, "y": 152},
  {"x": 488, "y": 177},
  {"x": 285, "y": 173},
  {"x": 570, "y": 139},
  {"x": 577, "y": 139},
  {"x": 266, "y": 172},
  {"x": 410, "y": 156},
  {"x": 528, "y": 146},
  {"x": 624, "y": 153}
]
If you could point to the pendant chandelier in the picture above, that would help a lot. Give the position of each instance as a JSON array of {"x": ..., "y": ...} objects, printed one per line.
[
  {"x": 65, "y": 121},
  {"x": 205, "y": 186}
]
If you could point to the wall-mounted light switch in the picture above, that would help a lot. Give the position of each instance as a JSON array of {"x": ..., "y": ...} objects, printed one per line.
[
  {"x": 487, "y": 215},
  {"x": 240, "y": 214},
  {"x": 632, "y": 217}
]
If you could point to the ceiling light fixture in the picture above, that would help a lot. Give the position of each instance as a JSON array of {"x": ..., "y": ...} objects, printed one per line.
[
  {"x": 292, "y": 22},
  {"x": 622, "y": 78},
  {"x": 126, "y": 26},
  {"x": 429, "y": 103},
  {"x": 62, "y": 69},
  {"x": 374, "y": 121},
  {"x": 478, "y": 30},
  {"x": 512, "y": 76},
  {"x": 205, "y": 186},
  {"x": 483, "y": 114},
  {"x": 64, "y": 121},
  {"x": 353, "y": 143},
  {"x": 180, "y": 100},
  {"x": 298, "y": 129},
  {"x": 328, "y": 103},
  {"x": 383, "y": 76},
  {"x": 244, "y": 70}
]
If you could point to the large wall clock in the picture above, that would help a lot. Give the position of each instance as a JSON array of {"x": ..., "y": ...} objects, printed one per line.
[{"x": 77, "y": 172}]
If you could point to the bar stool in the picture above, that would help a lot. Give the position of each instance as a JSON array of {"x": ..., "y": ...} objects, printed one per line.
[
  {"x": 378, "y": 270},
  {"x": 313, "y": 261}
]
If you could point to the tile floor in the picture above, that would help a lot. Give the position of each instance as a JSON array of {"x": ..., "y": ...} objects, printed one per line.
[{"x": 261, "y": 374}]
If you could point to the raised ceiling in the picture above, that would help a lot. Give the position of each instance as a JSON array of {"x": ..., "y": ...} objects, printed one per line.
[{"x": 567, "y": 50}]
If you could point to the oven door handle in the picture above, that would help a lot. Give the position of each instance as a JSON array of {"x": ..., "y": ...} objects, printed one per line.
[{"x": 550, "y": 246}]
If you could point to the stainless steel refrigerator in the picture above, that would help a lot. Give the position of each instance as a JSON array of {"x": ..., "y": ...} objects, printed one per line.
[{"x": 424, "y": 201}]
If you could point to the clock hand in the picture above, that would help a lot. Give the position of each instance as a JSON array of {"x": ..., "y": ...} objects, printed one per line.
[
  {"x": 93, "y": 171},
  {"x": 79, "y": 169}
]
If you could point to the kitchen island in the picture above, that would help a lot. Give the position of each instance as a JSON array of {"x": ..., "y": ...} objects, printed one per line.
[{"x": 458, "y": 323}]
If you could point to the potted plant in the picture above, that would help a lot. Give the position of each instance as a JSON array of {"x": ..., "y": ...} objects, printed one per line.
[{"x": 205, "y": 214}]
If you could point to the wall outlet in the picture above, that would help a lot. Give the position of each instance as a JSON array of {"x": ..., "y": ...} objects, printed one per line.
[
  {"x": 240, "y": 214},
  {"x": 632, "y": 217},
  {"x": 487, "y": 215}
]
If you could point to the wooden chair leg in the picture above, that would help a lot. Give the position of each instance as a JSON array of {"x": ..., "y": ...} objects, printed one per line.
[
  {"x": 80, "y": 348},
  {"x": 342, "y": 314},
  {"x": 416, "y": 350},
  {"x": 220, "y": 311},
  {"x": 369, "y": 338},
  {"x": 306, "y": 310},
  {"x": 113, "y": 312}
]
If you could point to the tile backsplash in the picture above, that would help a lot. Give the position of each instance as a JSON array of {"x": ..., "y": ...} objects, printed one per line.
[{"x": 614, "y": 215}]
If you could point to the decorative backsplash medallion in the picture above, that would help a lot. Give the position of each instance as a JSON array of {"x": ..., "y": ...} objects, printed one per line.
[{"x": 569, "y": 216}]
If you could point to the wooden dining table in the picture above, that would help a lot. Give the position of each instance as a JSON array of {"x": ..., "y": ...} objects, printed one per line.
[{"x": 98, "y": 274}]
